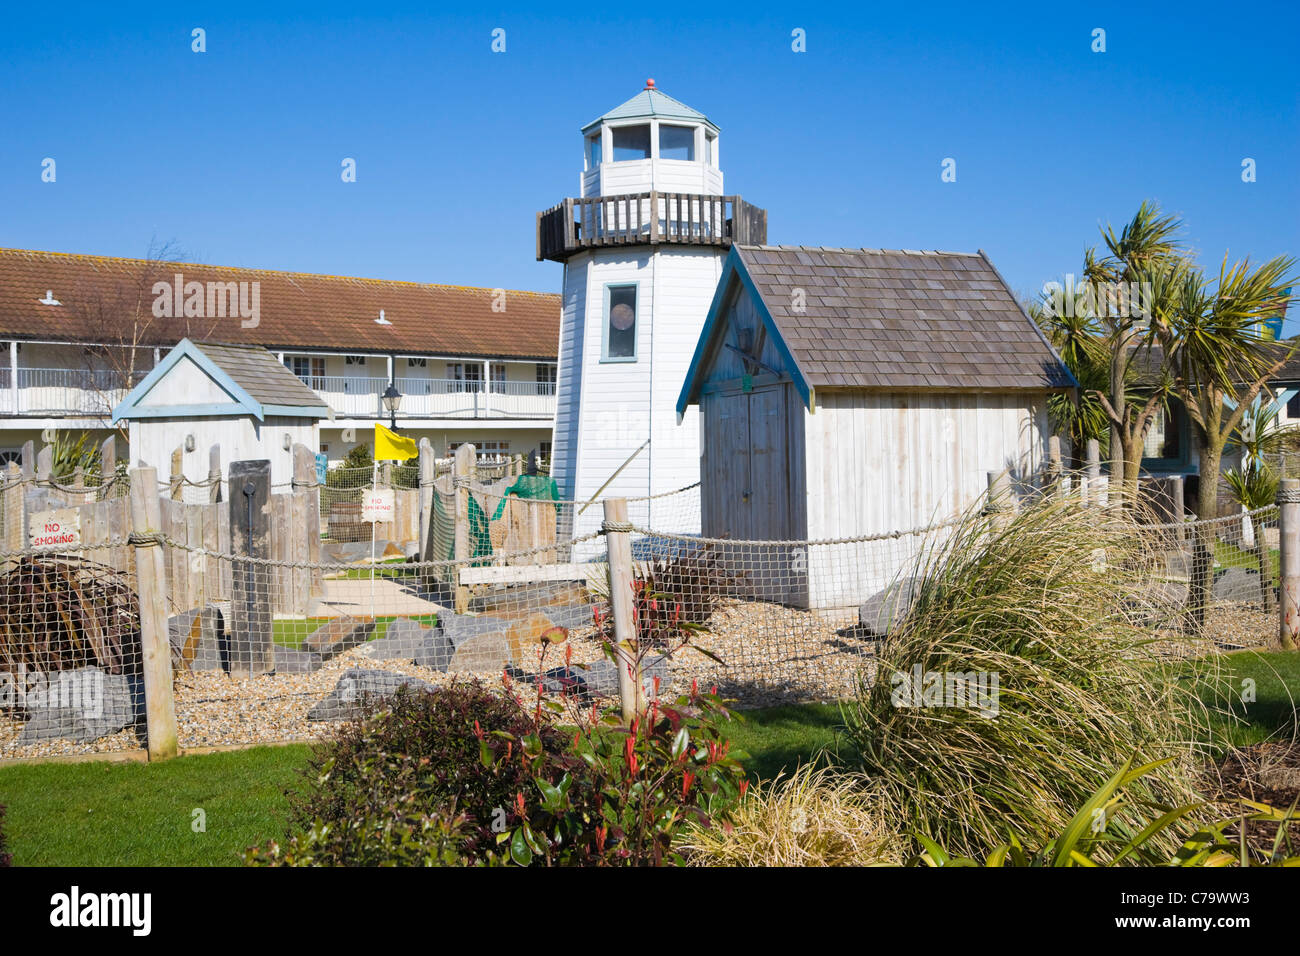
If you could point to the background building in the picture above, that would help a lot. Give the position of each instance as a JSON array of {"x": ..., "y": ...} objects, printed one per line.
[{"x": 470, "y": 364}]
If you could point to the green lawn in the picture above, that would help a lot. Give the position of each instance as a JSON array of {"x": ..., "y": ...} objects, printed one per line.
[
  {"x": 1241, "y": 722},
  {"x": 87, "y": 814},
  {"x": 133, "y": 814},
  {"x": 290, "y": 632},
  {"x": 395, "y": 569},
  {"x": 1229, "y": 555}
]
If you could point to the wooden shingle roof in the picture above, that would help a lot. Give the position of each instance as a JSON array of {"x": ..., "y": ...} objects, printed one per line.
[
  {"x": 899, "y": 319},
  {"x": 97, "y": 295},
  {"x": 260, "y": 374}
]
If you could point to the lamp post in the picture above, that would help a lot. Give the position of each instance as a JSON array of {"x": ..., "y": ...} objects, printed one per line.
[{"x": 392, "y": 401}]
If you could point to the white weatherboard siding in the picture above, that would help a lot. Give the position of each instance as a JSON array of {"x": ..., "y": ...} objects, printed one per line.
[
  {"x": 685, "y": 280},
  {"x": 187, "y": 384},
  {"x": 606, "y": 410},
  {"x": 241, "y": 439},
  {"x": 880, "y": 462},
  {"x": 568, "y": 376},
  {"x": 615, "y": 407}
]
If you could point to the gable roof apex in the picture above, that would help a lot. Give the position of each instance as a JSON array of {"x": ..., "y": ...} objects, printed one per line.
[{"x": 257, "y": 383}]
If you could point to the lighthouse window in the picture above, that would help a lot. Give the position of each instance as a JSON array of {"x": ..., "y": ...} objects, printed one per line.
[
  {"x": 631, "y": 142},
  {"x": 677, "y": 142},
  {"x": 593, "y": 151},
  {"x": 620, "y": 323}
]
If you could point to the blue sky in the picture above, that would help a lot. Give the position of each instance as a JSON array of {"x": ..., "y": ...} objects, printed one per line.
[{"x": 234, "y": 154}]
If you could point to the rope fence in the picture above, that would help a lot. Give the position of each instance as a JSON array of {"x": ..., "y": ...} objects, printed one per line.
[{"x": 266, "y": 645}]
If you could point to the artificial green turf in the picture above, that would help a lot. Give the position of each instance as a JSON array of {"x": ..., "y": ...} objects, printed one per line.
[
  {"x": 395, "y": 570},
  {"x": 291, "y": 632},
  {"x": 1228, "y": 554}
]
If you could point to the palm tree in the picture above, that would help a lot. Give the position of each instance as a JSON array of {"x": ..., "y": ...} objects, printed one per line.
[
  {"x": 1220, "y": 361},
  {"x": 1143, "y": 255},
  {"x": 1080, "y": 417}
]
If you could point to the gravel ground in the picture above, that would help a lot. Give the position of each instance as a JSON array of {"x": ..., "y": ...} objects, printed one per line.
[{"x": 771, "y": 655}]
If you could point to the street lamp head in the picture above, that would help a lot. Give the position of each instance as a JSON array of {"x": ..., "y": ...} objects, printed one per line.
[{"x": 392, "y": 399}]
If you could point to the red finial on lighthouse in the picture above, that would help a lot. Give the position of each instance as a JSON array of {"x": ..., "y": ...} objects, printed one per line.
[{"x": 650, "y": 84}]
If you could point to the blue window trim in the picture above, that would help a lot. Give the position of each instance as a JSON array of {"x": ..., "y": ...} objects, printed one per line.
[{"x": 604, "y": 323}]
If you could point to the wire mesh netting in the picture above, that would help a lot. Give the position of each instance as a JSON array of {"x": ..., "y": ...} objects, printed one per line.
[{"x": 281, "y": 645}]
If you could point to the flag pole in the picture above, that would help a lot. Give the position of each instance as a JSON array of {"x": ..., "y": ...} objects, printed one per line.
[{"x": 374, "y": 489}]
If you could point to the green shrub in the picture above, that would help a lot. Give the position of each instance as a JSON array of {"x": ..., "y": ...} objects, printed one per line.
[
  {"x": 1090, "y": 839},
  {"x": 1060, "y": 604},
  {"x": 402, "y": 837},
  {"x": 627, "y": 795},
  {"x": 427, "y": 747},
  {"x": 462, "y": 775}
]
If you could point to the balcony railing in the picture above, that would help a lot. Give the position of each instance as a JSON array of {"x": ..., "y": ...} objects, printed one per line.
[
  {"x": 356, "y": 397},
  {"x": 648, "y": 219},
  {"x": 60, "y": 391}
]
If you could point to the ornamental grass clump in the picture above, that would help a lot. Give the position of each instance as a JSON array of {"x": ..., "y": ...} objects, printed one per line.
[
  {"x": 816, "y": 816},
  {"x": 1027, "y": 668}
]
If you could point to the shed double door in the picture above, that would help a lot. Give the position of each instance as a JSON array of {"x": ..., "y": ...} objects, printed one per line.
[
  {"x": 745, "y": 466},
  {"x": 745, "y": 471}
]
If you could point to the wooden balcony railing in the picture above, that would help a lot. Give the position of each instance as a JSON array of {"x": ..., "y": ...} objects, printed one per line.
[{"x": 648, "y": 219}]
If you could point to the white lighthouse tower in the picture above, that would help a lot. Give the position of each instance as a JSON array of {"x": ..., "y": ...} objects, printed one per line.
[{"x": 643, "y": 247}]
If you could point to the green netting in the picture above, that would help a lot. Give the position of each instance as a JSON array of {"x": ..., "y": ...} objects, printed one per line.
[
  {"x": 480, "y": 534},
  {"x": 536, "y": 487}
]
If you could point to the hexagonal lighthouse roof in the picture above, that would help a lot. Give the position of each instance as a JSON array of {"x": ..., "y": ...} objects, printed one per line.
[{"x": 651, "y": 102}]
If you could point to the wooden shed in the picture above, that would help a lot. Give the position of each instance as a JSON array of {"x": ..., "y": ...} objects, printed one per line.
[
  {"x": 850, "y": 392},
  {"x": 237, "y": 396}
]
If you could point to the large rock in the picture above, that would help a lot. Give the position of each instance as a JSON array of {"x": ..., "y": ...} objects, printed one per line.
[
  {"x": 474, "y": 653},
  {"x": 456, "y": 626},
  {"x": 356, "y": 685},
  {"x": 345, "y": 552},
  {"x": 1237, "y": 585},
  {"x": 199, "y": 640},
  {"x": 600, "y": 679},
  {"x": 401, "y": 641},
  {"x": 569, "y": 616},
  {"x": 290, "y": 661},
  {"x": 883, "y": 611},
  {"x": 527, "y": 635},
  {"x": 471, "y": 643},
  {"x": 82, "y": 705},
  {"x": 339, "y": 635},
  {"x": 436, "y": 652}
]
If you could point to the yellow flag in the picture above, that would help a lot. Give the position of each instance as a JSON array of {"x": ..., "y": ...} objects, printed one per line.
[{"x": 390, "y": 446}]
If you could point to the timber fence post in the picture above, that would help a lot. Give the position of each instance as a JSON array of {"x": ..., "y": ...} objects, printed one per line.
[
  {"x": 1288, "y": 506},
  {"x": 618, "y": 543},
  {"x": 151, "y": 584}
]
